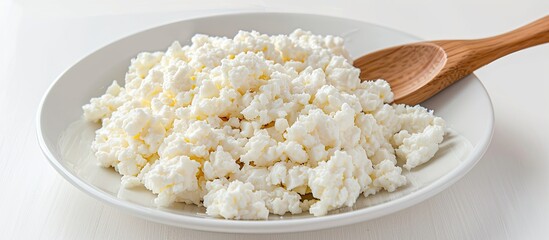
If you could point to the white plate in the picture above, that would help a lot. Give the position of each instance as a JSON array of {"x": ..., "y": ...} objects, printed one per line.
[{"x": 65, "y": 140}]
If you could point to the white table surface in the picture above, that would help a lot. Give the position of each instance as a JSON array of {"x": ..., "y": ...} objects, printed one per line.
[{"x": 504, "y": 197}]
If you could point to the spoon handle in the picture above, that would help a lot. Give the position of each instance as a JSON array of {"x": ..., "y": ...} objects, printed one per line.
[
  {"x": 527, "y": 36},
  {"x": 466, "y": 56}
]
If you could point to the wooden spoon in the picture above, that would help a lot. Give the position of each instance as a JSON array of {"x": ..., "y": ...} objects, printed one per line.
[{"x": 418, "y": 71}]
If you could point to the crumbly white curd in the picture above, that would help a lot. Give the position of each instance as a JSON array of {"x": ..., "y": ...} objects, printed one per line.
[{"x": 258, "y": 124}]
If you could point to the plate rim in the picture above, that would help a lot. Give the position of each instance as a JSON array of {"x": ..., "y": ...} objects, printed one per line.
[{"x": 264, "y": 226}]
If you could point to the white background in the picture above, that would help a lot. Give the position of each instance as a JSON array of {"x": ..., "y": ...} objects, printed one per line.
[{"x": 506, "y": 196}]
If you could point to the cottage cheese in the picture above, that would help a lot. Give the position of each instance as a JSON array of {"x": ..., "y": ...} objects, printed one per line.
[{"x": 258, "y": 124}]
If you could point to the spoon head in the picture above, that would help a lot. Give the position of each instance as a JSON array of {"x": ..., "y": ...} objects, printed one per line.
[{"x": 408, "y": 69}]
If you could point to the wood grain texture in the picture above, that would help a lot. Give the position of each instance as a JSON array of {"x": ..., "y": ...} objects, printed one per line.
[
  {"x": 503, "y": 197},
  {"x": 408, "y": 69},
  {"x": 418, "y": 71}
]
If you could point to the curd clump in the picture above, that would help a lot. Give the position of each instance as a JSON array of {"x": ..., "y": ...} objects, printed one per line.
[{"x": 258, "y": 124}]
